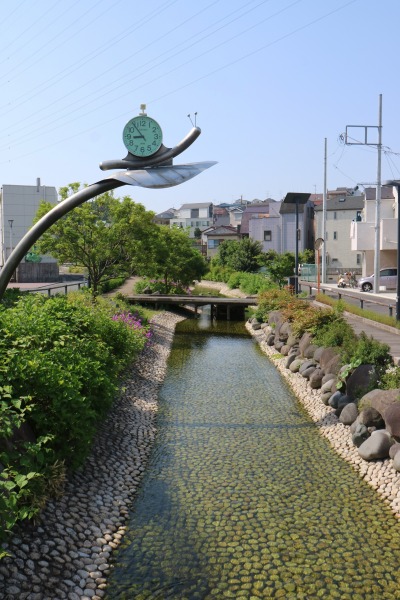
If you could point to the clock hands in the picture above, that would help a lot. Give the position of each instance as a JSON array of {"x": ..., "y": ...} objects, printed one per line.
[{"x": 135, "y": 137}]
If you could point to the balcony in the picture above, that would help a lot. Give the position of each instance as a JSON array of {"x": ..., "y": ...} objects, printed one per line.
[{"x": 362, "y": 235}]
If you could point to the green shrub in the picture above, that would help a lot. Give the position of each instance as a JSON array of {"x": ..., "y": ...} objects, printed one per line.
[
  {"x": 112, "y": 284},
  {"x": 250, "y": 283},
  {"x": 218, "y": 273},
  {"x": 61, "y": 358}
]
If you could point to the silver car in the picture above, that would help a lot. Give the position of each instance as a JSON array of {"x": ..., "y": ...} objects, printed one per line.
[{"x": 387, "y": 279}]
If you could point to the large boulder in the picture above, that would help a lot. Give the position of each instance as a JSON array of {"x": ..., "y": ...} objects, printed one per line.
[
  {"x": 349, "y": 414},
  {"x": 304, "y": 342},
  {"x": 392, "y": 419},
  {"x": 326, "y": 385},
  {"x": 316, "y": 379},
  {"x": 334, "y": 399},
  {"x": 270, "y": 339},
  {"x": 284, "y": 331},
  {"x": 377, "y": 446},
  {"x": 306, "y": 364},
  {"x": 310, "y": 351},
  {"x": 289, "y": 360},
  {"x": 318, "y": 352},
  {"x": 330, "y": 360},
  {"x": 292, "y": 340},
  {"x": 396, "y": 461},
  {"x": 307, "y": 373},
  {"x": 274, "y": 317},
  {"x": 360, "y": 434},
  {"x": 296, "y": 364},
  {"x": 380, "y": 399},
  {"x": 370, "y": 417},
  {"x": 394, "y": 449},
  {"x": 362, "y": 379}
]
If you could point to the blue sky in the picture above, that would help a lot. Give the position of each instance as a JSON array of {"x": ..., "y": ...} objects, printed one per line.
[{"x": 269, "y": 80}]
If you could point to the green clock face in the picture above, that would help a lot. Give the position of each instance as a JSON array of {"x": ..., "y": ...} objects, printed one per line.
[{"x": 142, "y": 136}]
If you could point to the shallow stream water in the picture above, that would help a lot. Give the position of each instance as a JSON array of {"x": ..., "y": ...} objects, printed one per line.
[{"x": 242, "y": 497}]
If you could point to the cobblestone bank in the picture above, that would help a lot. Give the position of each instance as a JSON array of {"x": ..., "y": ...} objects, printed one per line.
[
  {"x": 66, "y": 555},
  {"x": 379, "y": 474}
]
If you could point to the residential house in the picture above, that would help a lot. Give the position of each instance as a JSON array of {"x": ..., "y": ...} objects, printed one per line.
[
  {"x": 216, "y": 235},
  {"x": 362, "y": 231},
  {"x": 305, "y": 233},
  {"x": 263, "y": 223},
  {"x": 164, "y": 218},
  {"x": 342, "y": 209},
  {"x": 193, "y": 216}
]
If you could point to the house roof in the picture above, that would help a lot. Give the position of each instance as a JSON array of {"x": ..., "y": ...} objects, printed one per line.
[
  {"x": 343, "y": 203},
  {"x": 386, "y": 193},
  {"x": 220, "y": 230},
  {"x": 197, "y": 205},
  {"x": 253, "y": 211},
  {"x": 167, "y": 214}
]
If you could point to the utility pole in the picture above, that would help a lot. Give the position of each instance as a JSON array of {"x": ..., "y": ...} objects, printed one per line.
[
  {"x": 323, "y": 233},
  {"x": 366, "y": 142}
]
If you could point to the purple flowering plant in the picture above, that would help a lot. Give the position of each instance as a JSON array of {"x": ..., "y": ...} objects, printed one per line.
[{"x": 134, "y": 322}]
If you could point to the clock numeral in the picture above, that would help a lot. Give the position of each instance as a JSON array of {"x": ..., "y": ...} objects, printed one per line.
[{"x": 149, "y": 148}]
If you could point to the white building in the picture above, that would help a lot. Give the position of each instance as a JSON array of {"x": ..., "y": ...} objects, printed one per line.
[
  {"x": 18, "y": 206},
  {"x": 362, "y": 234},
  {"x": 192, "y": 216},
  {"x": 343, "y": 210}
]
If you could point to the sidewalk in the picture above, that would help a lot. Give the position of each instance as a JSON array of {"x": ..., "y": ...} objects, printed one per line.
[{"x": 379, "y": 331}]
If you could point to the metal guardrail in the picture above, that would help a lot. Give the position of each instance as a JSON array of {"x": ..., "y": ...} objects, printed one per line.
[
  {"x": 65, "y": 286},
  {"x": 351, "y": 294}
]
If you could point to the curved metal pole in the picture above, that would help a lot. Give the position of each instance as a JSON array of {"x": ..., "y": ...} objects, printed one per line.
[
  {"x": 49, "y": 219},
  {"x": 158, "y": 159}
]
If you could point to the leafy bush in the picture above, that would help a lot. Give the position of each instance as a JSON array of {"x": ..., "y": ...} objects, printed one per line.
[
  {"x": 112, "y": 284},
  {"x": 218, "y": 273},
  {"x": 157, "y": 286},
  {"x": 368, "y": 350},
  {"x": 390, "y": 379},
  {"x": 61, "y": 358},
  {"x": 250, "y": 283},
  {"x": 269, "y": 300}
]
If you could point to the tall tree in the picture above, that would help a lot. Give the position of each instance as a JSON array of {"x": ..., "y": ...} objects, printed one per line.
[
  {"x": 243, "y": 255},
  {"x": 108, "y": 236},
  {"x": 172, "y": 258}
]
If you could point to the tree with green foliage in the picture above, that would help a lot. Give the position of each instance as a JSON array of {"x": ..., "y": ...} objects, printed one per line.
[
  {"x": 282, "y": 267},
  {"x": 108, "y": 236},
  {"x": 173, "y": 259},
  {"x": 243, "y": 255}
]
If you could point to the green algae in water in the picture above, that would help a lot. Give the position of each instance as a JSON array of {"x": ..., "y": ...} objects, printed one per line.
[{"x": 242, "y": 497}]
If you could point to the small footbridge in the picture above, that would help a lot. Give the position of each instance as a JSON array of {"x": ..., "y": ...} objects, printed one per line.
[{"x": 221, "y": 308}]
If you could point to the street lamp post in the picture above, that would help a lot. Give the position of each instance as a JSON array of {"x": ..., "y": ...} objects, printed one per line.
[
  {"x": 297, "y": 199},
  {"x": 396, "y": 183}
]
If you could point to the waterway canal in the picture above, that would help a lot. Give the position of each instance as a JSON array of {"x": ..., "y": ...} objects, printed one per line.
[{"x": 242, "y": 497}]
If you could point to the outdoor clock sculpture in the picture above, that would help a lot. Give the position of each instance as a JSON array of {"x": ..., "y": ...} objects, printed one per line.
[
  {"x": 142, "y": 136},
  {"x": 147, "y": 164}
]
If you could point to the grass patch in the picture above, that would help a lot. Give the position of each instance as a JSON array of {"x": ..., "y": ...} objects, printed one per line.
[{"x": 356, "y": 310}]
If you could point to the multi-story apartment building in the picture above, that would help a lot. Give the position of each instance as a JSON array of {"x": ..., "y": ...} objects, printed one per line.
[
  {"x": 343, "y": 208},
  {"x": 18, "y": 206},
  {"x": 193, "y": 216},
  {"x": 362, "y": 231}
]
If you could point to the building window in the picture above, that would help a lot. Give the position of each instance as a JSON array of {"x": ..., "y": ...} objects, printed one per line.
[
  {"x": 194, "y": 213},
  {"x": 358, "y": 215},
  {"x": 335, "y": 235},
  {"x": 359, "y": 259},
  {"x": 212, "y": 244},
  {"x": 335, "y": 214},
  {"x": 267, "y": 236}
]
